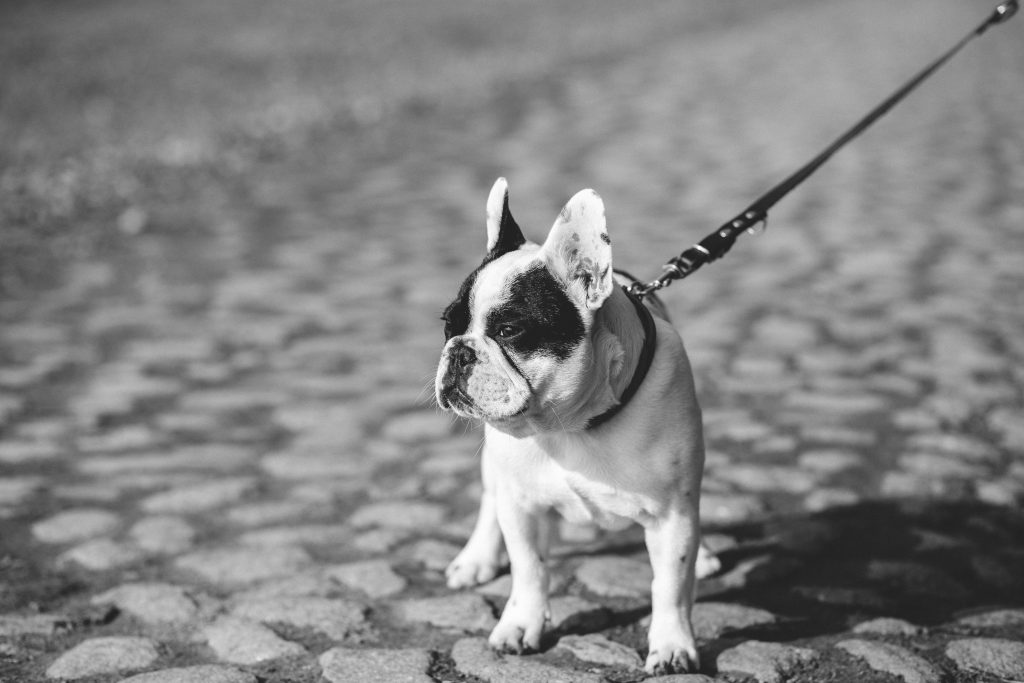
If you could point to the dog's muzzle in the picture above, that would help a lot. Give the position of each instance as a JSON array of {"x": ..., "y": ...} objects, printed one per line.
[{"x": 453, "y": 383}]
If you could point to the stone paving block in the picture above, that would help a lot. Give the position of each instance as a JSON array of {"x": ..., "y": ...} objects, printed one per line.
[
  {"x": 473, "y": 657},
  {"x": 994, "y": 619},
  {"x": 417, "y": 427},
  {"x": 301, "y": 466},
  {"x": 267, "y": 512},
  {"x": 894, "y": 660},
  {"x": 206, "y": 673},
  {"x": 16, "y": 490},
  {"x": 466, "y": 612},
  {"x": 76, "y": 525},
  {"x": 13, "y": 625},
  {"x": 766, "y": 662},
  {"x": 330, "y": 535},
  {"x": 153, "y": 603},
  {"x": 826, "y": 498},
  {"x": 725, "y": 508},
  {"x": 220, "y": 457},
  {"x": 376, "y": 578},
  {"x": 335, "y": 618},
  {"x": 888, "y": 626},
  {"x": 241, "y": 566},
  {"x": 432, "y": 554},
  {"x": 308, "y": 582},
  {"x": 713, "y": 619},
  {"x": 598, "y": 649},
  {"x": 109, "y": 655},
  {"x": 408, "y": 665},
  {"x": 831, "y": 460},
  {"x": 241, "y": 641},
  {"x": 381, "y": 540},
  {"x": 993, "y": 656},
  {"x": 409, "y": 514},
  {"x": 101, "y": 554},
  {"x": 616, "y": 576},
  {"x": 20, "y": 452},
  {"x": 570, "y": 613},
  {"x": 198, "y": 497},
  {"x": 767, "y": 478},
  {"x": 165, "y": 535}
]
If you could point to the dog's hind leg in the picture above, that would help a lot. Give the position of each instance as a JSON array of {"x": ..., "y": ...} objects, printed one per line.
[{"x": 479, "y": 561}]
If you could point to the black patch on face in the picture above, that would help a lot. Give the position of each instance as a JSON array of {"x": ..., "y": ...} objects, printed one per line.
[
  {"x": 545, "y": 320},
  {"x": 456, "y": 316},
  {"x": 605, "y": 238}
]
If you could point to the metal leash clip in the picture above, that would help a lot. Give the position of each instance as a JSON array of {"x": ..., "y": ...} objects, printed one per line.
[{"x": 1005, "y": 11}]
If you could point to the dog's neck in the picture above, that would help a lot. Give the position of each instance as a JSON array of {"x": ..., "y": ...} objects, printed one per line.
[
  {"x": 617, "y": 339},
  {"x": 618, "y": 356}
]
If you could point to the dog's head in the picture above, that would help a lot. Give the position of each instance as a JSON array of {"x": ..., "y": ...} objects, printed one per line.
[{"x": 519, "y": 347}]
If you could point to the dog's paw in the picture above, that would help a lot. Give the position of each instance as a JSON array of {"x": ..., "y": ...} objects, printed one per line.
[
  {"x": 466, "y": 572},
  {"x": 672, "y": 657},
  {"x": 707, "y": 563},
  {"x": 518, "y": 631}
]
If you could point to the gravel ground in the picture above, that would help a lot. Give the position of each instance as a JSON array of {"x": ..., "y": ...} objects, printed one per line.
[{"x": 226, "y": 233}]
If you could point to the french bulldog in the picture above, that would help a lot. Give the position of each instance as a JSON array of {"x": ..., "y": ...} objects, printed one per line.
[{"x": 589, "y": 409}]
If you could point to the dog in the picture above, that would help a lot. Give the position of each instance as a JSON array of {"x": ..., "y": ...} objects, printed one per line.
[{"x": 589, "y": 409}]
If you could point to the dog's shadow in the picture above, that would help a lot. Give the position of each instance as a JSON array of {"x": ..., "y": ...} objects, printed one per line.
[{"x": 822, "y": 573}]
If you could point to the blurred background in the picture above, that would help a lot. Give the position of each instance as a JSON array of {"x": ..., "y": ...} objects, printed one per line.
[{"x": 233, "y": 225}]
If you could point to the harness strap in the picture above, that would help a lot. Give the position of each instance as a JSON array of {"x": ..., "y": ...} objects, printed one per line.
[{"x": 643, "y": 363}]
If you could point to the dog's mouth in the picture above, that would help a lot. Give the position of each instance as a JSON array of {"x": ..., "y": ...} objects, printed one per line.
[
  {"x": 459, "y": 402},
  {"x": 454, "y": 399}
]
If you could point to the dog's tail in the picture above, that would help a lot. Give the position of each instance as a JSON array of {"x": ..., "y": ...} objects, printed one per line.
[{"x": 651, "y": 301}]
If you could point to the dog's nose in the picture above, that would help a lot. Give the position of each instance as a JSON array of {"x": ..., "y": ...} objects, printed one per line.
[{"x": 462, "y": 356}]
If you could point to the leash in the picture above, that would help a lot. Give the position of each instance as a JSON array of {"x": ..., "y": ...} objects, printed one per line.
[{"x": 754, "y": 218}]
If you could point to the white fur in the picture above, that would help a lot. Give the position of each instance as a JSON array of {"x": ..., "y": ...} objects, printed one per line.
[{"x": 643, "y": 466}]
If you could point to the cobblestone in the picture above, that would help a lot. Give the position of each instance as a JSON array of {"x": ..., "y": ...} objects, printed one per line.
[
  {"x": 892, "y": 659},
  {"x": 464, "y": 612},
  {"x": 373, "y": 577},
  {"x": 598, "y": 649},
  {"x": 473, "y": 657},
  {"x": 194, "y": 674},
  {"x": 993, "y": 656},
  {"x": 76, "y": 525},
  {"x": 766, "y": 662},
  {"x": 219, "y": 459},
  {"x": 103, "y": 656},
  {"x": 240, "y": 641},
  {"x": 152, "y": 603},
  {"x": 341, "y": 665}
]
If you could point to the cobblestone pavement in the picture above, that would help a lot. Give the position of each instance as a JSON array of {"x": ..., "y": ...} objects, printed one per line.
[{"x": 221, "y": 463}]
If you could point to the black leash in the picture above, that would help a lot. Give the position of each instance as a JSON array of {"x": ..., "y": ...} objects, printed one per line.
[{"x": 715, "y": 245}]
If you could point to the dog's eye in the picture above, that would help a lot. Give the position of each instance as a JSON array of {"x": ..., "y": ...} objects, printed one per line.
[{"x": 508, "y": 331}]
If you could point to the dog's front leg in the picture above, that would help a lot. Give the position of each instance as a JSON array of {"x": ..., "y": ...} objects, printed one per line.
[
  {"x": 522, "y": 622},
  {"x": 478, "y": 562},
  {"x": 672, "y": 542}
]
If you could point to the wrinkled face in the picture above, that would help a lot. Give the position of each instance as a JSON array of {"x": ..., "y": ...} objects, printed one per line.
[
  {"x": 514, "y": 342},
  {"x": 517, "y": 344}
]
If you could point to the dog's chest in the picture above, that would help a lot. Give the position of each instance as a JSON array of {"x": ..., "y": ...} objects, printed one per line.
[
  {"x": 602, "y": 504},
  {"x": 584, "y": 499}
]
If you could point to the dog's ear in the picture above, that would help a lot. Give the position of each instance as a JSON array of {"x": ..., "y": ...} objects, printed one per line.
[
  {"x": 503, "y": 233},
  {"x": 578, "y": 250}
]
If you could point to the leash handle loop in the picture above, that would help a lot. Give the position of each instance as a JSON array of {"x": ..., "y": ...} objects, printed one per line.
[{"x": 715, "y": 245}]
